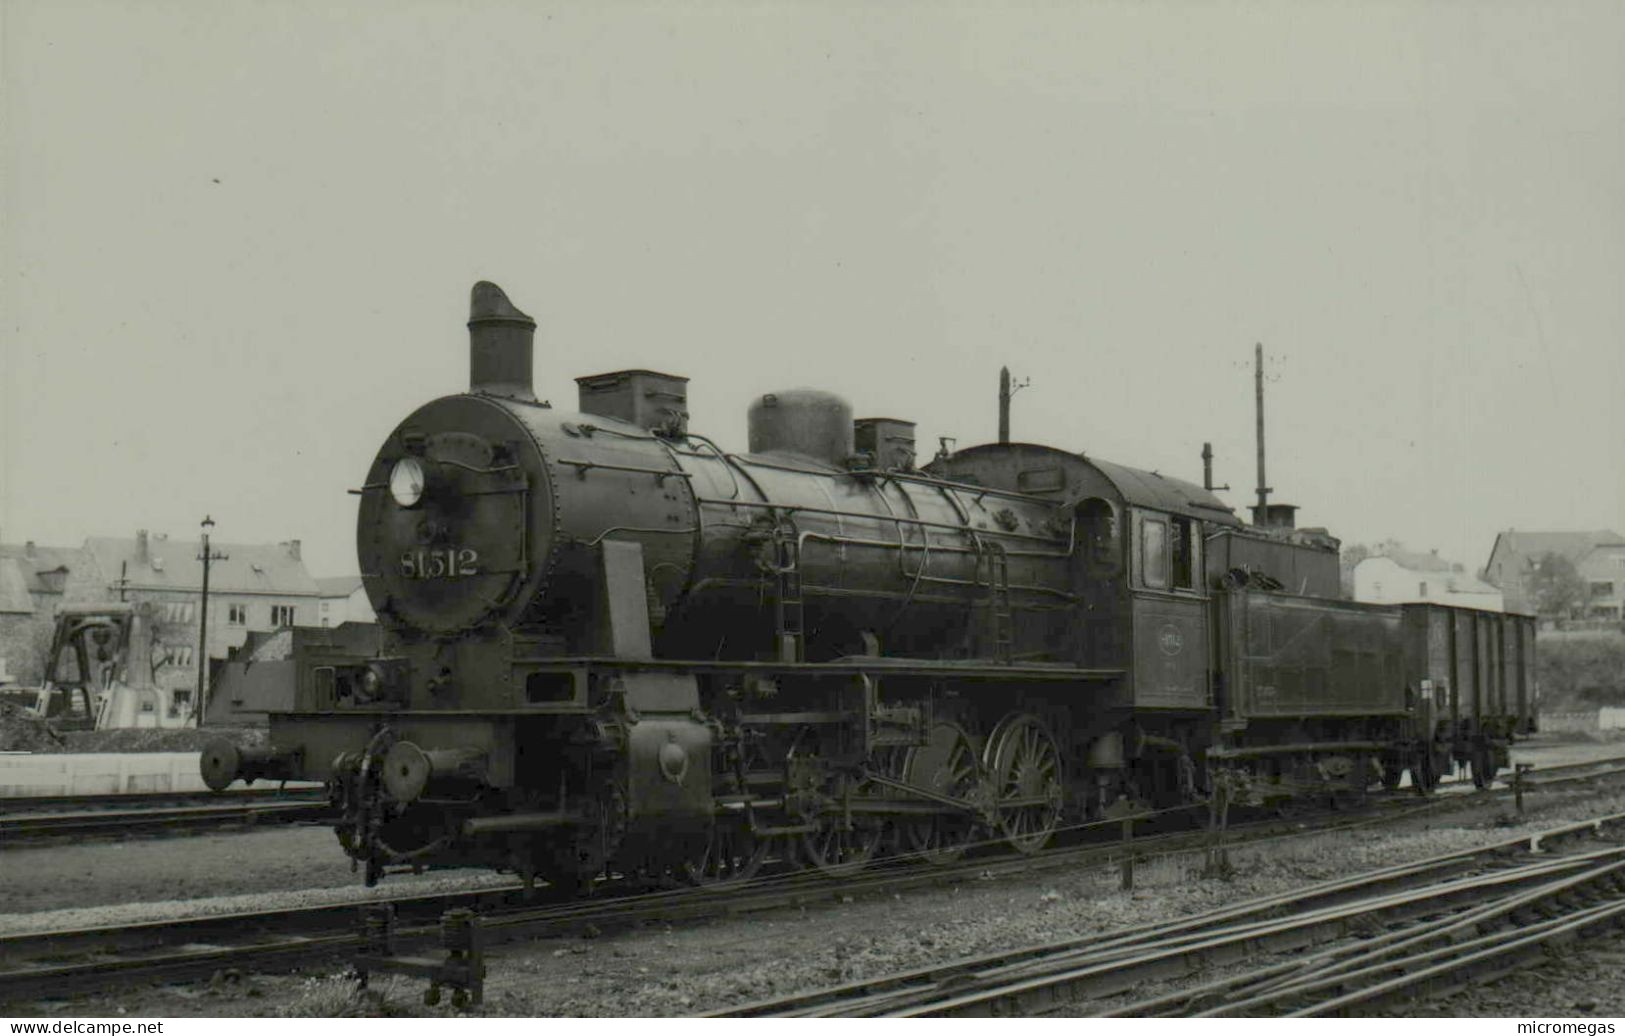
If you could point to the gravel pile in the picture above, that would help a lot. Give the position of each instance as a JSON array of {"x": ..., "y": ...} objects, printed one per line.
[
  {"x": 20, "y": 732},
  {"x": 186, "y": 739}
]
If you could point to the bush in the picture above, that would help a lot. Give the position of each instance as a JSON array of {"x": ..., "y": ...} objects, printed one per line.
[{"x": 1579, "y": 672}]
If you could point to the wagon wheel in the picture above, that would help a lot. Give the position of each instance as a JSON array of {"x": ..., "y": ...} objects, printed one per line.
[
  {"x": 1393, "y": 771},
  {"x": 946, "y": 764},
  {"x": 837, "y": 849},
  {"x": 1423, "y": 778},
  {"x": 732, "y": 853},
  {"x": 1483, "y": 766},
  {"x": 1025, "y": 765}
]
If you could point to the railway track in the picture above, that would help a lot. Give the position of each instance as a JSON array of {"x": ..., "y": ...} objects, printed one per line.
[
  {"x": 32, "y": 820},
  {"x": 56, "y": 963},
  {"x": 158, "y": 799},
  {"x": 1420, "y": 910},
  {"x": 61, "y": 962}
]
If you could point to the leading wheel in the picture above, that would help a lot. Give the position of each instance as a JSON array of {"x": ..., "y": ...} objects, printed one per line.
[
  {"x": 731, "y": 853},
  {"x": 1025, "y": 764},
  {"x": 946, "y": 765}
]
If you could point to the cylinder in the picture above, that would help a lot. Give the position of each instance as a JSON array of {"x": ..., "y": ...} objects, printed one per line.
[
  {"x": 808, "y": 422},
  {"x": 500, "y": 345},
  {"x": 222, "y": 762},
  {"x": 407, "y": 769}
]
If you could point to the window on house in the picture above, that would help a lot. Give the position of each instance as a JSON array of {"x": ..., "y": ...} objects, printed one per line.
[
  {"x": 1154, "y": 552},
  {"x": 1602, "y": 589},
  {"x": 281, "y": 615},
  {"x": 237, "y": 614}
]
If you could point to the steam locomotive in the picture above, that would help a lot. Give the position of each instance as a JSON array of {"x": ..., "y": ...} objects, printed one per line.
[{"x": 611, "y": 644}]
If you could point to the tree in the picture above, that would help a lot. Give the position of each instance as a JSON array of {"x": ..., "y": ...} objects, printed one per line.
[{"x": 1554, "y": 588}]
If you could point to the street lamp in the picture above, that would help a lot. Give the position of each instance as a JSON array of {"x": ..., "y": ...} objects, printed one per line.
[{"x": 205, "y": 556}]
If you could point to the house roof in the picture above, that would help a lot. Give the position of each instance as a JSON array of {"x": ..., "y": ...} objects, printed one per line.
[
  {"x": 173, "y": 564},
  {"x": 1438, "y": 572},
  {"x": 14, "y": 596},
  {"x": 34, "y": 561},
  {"x": 1414, "y": 560},
  {"x": 338, "y": 586},
  {"x": 1572, "y": 545}
]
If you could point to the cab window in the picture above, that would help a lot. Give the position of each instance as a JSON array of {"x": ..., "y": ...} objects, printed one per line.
[
  {"x": 1185, "y": 544},
  {"x": 1154, "y": 552},
  {"x": 1097, "y": 543}
]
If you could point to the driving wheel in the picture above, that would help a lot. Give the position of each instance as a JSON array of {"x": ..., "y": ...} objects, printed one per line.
[{"x": 1025, "y": 764}]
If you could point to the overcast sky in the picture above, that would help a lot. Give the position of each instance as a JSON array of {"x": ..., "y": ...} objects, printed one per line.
[{"x": 239, "y": 240}]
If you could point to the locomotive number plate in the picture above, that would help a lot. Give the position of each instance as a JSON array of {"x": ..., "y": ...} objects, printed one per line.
[{"x": 440, "y": 563}]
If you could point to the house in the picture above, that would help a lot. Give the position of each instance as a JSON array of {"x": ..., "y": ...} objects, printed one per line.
[
  {"x": 1598, "y": 558},
  {"x": 1398, "y": 576},
  {"x": 34, "y": 580},
  {"x": 251, "y": 587},
  {"x": 343, "y": 599}
]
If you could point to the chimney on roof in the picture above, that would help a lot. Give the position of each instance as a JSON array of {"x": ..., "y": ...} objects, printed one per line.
[
  {"x": 142, "y": 553},
  {"x": 28, "y": 549},
  {"x": 293, "y": 550}
]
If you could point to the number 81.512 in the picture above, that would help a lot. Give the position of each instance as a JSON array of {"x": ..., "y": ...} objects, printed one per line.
[{"x": 440, "y": 563}]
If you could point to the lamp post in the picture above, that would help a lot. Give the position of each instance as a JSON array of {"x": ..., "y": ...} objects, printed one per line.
[{"x": 206, "y": 556}]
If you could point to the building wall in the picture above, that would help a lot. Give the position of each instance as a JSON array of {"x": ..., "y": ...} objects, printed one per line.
[
  {"x": 175, "y": 640},
  {"x": 1506, "y": 570},
  {"x": 26, "y": 638},
  {"x": 175, "y": 637},
  {"x": 354, "y": 608},
  {"x": 1569, "y": 722},
  {"x": 19, "y": 648},
  {"x": 1603, "y": 570}
]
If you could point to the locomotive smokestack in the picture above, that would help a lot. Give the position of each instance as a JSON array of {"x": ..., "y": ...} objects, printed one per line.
[{"x": 500, "y": 344}]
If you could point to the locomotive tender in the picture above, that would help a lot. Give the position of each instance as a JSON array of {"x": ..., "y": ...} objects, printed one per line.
[{"x": 612, "y": 644}]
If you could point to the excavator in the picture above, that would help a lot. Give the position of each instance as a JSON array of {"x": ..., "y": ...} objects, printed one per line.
[{"x": 99, "y": 674}]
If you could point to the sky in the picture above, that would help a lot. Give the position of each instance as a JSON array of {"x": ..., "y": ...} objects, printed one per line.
[{"x": 238, "y": 240}]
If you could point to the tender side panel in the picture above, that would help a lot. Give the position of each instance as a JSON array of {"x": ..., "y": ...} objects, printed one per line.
[{"x": 1290, "y": 657}]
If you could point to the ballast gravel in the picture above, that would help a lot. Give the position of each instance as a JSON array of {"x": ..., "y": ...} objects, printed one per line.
[{"x": 694, "y": 968}]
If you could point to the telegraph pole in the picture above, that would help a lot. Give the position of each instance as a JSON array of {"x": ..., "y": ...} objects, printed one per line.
[
  {"x": 1004, "y": 404},
  {"x": 1259, "y": 512},
  {"x": 206, "y": 556},
  {"x": 1007, "y": 388}
]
